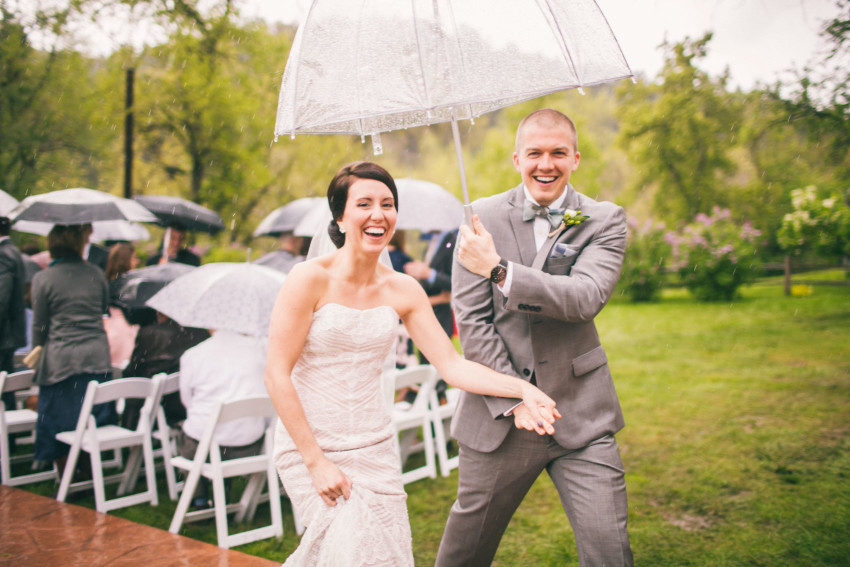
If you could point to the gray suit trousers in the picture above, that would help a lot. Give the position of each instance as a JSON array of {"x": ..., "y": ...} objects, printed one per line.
[{"x": 590, "y": 482}]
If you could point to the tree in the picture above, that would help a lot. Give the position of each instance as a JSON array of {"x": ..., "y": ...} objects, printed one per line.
[
  {"x": 678, "y": 131},
  {"x": 47, "y": 107},
  {"x": 820, "y": 102}
]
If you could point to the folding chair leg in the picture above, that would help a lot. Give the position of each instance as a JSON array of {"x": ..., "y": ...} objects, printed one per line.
[
  {"x": 68, "y": 473},
  {"x": 250, "y": 498},
  {"x": 170, "y": 477},
  {"x": 150, "y": 472},
  {"x": 97, "y": 479},
  {"x": 189, "y": 487},
  {"x": 131, "y": 471},
  {"x": 220, "y": 505}
]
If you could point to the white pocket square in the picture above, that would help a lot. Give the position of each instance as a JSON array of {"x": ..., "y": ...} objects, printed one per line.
[{"x": 561, "y": 250}]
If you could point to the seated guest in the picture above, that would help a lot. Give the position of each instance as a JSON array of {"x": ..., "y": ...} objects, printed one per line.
[
  {"x": 121, "y": 335},
  {"x": 228, "y": 366},
  {"x": 158, "y": 348}
]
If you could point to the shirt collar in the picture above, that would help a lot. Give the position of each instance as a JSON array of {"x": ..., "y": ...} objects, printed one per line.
[{"x": 556, "y": 204}]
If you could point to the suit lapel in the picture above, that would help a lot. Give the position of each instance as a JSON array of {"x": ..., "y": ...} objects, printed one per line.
[
  {"x": 523, "y": 231},
  {"x": 570, "y": 202}
]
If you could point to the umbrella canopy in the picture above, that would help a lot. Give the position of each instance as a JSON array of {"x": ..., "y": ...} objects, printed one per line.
[
  {"x": 426, "y": 206},
  {"x": 101, "y": 230},
  {"x": 314, "y": 221},
  {"x": 286, "y": 218},
  {"x": 176, "y": 211},
  {"x": 143, "y": 283},
  {"x": 7, "y": 203},
  {"x": 78, "y": 206},
  {"x": 237, "y": 297},
  {"x": 365, "y": 67}
]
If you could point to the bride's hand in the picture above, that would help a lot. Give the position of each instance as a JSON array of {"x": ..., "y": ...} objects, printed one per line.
[
  {"x": 330, "y": 482},
  {"x": 538, "y": 411}
]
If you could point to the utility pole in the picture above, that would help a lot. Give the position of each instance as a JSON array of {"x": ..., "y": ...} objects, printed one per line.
[{"x": 128, "y": 135}]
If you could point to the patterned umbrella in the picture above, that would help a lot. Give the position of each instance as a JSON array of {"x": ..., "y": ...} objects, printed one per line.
[
  {"x": 286, "y": 218},
  {"x": 237, "y": 297}
]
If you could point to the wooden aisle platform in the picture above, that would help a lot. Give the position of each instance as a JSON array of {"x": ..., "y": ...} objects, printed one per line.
[{"x": 36, "y": 530}]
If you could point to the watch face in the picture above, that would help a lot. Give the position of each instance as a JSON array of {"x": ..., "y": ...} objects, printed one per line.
[{"x": 498, "y": 274}]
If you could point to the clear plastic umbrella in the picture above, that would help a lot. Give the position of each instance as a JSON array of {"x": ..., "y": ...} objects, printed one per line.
[
  {"x": 426, "y": 206},
  {"x": 366, "y": 67}
]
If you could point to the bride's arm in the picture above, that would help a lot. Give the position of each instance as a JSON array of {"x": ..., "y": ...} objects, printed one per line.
[
  {"x": 429, "y": 336},
  {"x": 290, "y": 323}
]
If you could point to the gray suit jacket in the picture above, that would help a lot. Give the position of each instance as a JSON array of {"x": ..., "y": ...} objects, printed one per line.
[
  {"x": 545, "y": 326},
  {"x": 12, "y": 316}
]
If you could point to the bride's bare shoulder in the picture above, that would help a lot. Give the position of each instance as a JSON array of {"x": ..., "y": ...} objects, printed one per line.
[{"x": 311, "y": 274}]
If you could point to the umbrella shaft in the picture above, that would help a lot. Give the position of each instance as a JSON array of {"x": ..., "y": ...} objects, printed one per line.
[{"x": 467, "y": 209}]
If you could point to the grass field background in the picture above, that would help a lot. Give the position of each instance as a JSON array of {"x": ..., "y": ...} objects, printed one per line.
[{"x": 735, "y": 446}]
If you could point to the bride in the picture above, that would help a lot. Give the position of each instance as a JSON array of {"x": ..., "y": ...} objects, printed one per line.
[{"x": 332, "y": 326}]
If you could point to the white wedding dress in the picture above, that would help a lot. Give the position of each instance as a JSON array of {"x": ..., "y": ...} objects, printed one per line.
[{"x": 338, "y": 380}]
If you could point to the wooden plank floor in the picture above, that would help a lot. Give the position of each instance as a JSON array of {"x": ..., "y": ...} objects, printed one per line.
[{"x": 36, "y": 530}]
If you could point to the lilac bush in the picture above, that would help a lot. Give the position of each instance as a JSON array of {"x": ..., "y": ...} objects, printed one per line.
[{"x": 714, "y": 255}]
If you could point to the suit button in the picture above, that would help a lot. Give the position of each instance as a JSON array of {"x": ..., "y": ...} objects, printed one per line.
[{"x": 526, "y": 372}]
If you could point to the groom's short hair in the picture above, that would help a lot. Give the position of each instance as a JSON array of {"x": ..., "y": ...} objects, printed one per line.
[{"x": 548, "y": 118}]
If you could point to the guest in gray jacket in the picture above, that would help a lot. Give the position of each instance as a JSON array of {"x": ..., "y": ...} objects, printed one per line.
[{"x": 69, "y": 300}]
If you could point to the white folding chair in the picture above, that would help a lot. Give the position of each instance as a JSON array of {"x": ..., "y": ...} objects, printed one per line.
[
  {"x": 411, "y": 419},
  {"x": 14, "y": 422},
  {"x": 167, "y": 435},
  {"x": 441, "y": 418},
  {"x": 92, "y": 439},
  {"x": 260, "y": 467}
]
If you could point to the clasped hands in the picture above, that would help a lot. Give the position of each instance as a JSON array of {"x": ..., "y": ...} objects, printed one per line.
[{"x": 537, "y": 412}]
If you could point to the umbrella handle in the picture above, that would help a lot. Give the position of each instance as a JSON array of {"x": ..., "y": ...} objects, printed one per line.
[{"x": 467, "y": 208}]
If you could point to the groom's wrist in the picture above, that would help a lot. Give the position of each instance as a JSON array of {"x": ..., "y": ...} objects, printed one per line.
[{"x": 499, "y": 272}]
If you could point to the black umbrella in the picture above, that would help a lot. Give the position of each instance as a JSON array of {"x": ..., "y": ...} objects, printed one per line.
[{"x": 178, "y": 212}]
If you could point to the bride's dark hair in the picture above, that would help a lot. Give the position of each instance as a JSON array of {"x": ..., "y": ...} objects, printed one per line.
[{"x": 338, "y": 191}]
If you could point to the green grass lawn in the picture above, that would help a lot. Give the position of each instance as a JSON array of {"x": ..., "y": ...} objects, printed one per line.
[{"x": 735, "y": 446}]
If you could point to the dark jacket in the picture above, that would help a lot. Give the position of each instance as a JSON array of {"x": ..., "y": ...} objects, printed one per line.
[{"x": 12, "y": 317}]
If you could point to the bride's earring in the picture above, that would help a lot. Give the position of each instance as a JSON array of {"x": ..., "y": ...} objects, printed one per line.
[{"x": 341, "y": 228}]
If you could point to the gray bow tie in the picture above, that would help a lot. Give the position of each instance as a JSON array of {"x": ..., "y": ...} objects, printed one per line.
[{"x": 531, "y": 210}]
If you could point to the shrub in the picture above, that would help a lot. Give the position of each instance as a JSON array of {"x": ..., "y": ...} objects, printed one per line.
[
  {"x": 819, "y": 225},
  {"x": 715, "y": 256},
  {"x": 646, "y": 255}
]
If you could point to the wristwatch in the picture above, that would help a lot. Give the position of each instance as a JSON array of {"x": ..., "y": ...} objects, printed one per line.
[{"x": 499, "y": 272}]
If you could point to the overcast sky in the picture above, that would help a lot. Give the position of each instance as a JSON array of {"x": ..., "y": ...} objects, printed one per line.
[{"x": 758, "y": 40}]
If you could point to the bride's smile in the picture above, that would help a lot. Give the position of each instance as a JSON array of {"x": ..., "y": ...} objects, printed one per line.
[{"x": 370, "y": 215}]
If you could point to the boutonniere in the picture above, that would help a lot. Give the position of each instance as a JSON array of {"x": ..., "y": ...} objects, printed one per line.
[{"x": 571, "y": 217}]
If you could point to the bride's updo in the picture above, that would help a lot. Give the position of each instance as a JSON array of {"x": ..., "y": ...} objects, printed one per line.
[{"x": 338, "y": 191}]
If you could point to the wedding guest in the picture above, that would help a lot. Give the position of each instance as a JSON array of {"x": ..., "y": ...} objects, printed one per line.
[
  {"x": 69, "y": 300},
  {"x": 227, "y": 366}
]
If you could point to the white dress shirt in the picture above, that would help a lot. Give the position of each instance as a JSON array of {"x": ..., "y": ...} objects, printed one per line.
[{"x": 227, "y": 366}]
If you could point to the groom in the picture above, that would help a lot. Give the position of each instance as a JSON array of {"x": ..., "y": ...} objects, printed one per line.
[{"x": 526, "y": 286}]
